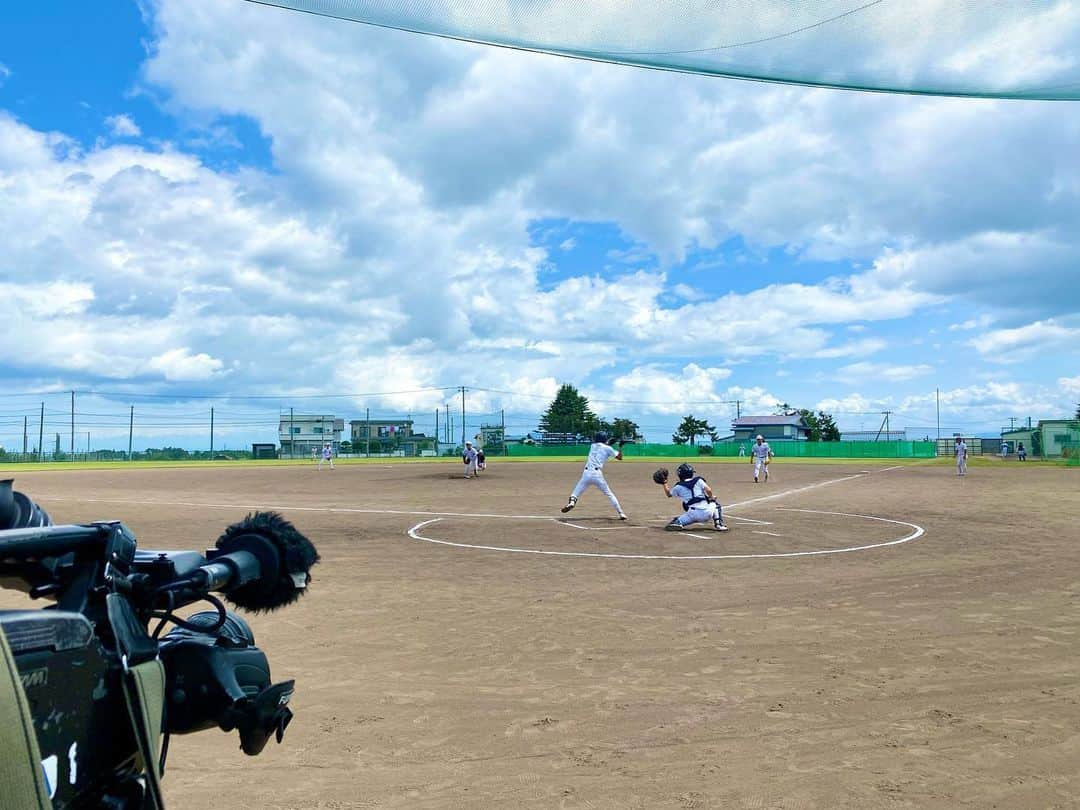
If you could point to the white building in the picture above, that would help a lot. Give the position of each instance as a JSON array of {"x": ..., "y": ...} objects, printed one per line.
[{"x": 302, "y": 434}]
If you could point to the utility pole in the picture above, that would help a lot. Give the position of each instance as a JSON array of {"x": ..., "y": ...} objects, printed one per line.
[
  {"x": 131, "y": 430},
  {"x": 937, "y": 397},
  {"x": 502, "y": 424},
  {"x": 292, "y": 438},
  {"x": 463, "y": 416},
  {"x": 211, "y": 432},
  {"x": 88, "y": 445},
  {"x": 448, "y": 429},
  {"x": 367, "y": 421},
  {"x": 436, "y": 431},
  {"x": 1012, "y": 422},
  {"x": 24, "y": 435},
  {"x": 41, "y": 435},
  {"x": 72, "y": 425}
]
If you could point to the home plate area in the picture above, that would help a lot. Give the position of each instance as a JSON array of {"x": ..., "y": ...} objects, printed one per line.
[{"x": 764, "y": 532}]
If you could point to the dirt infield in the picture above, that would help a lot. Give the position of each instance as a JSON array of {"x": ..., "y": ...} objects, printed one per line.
[{"x": 897, "y": 638}]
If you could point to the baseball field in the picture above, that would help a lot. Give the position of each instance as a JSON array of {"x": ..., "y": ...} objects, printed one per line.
[{"x": 867, "y": 635}]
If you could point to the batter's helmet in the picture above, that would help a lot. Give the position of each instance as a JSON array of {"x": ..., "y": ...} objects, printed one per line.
[{"x": 685, "y": 472}]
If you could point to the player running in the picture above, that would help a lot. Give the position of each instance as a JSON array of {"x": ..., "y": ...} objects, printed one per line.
[
  {"x": 699, "y": 505},
  {"x": 593, "y": 474},
  {"x": 760, "y": 455}
]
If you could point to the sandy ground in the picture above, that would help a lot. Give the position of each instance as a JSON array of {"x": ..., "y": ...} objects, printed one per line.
[{"x": 935, "y": 667}]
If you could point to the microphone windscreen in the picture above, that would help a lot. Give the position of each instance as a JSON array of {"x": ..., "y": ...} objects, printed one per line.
[{"x": 284, "y": 575}]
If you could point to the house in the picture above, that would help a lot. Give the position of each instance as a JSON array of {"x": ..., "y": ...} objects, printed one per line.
[
  {"x": 389, "y": 437},
  {"x": 789, "y": 427},
  {"x": 303, "y": 434}
]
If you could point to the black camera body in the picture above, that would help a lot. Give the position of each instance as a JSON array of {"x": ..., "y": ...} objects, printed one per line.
[{"x": 73, "y": 657}]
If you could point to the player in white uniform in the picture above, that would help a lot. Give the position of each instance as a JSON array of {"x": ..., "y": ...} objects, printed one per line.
[
  {"x": 327, "y": 455},
  {"x": 699, "y": 505},
  {"x": 469, "y": 456},
  {"x": 593, "y": 474},
  {"x": 760, "y": 454},
  {"x": 960, "y": 451}
]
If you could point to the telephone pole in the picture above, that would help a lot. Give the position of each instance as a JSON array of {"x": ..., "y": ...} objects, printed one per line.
[{"x": 463, "y": 416}]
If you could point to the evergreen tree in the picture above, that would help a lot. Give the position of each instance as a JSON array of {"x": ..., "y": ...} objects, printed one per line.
[
  {"x": 624, "y": 429},
  {"x": 690, "y": 428},
  {"x": 569, "y": 413}
]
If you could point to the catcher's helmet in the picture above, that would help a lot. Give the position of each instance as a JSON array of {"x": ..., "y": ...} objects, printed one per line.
[
  {"x": 601, "y": 437},
  {"x": 685, "y": 472}
]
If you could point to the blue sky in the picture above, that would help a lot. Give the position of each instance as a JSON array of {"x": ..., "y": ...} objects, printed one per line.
[{"x": 230, "y": 200}]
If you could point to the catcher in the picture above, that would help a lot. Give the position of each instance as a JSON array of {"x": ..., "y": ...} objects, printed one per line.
[{"x": 699, "y": 505}]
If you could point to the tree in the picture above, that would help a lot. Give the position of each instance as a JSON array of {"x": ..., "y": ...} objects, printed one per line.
[
  {"x": 345, "y": 446},
  {"x": 1077, "y": 417},
  {"x": 827, "y": 427},
  {"x": 822, "y": 426},
  {"x": 624, "y": 429},
  {"x": 569, "y": 413},
  {"x": 690, "y": 428}
]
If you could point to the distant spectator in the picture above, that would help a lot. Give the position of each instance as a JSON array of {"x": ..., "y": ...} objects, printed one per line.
[
  {"x": 1021, "y": 452},
  {"x": 1004, "y": 448}
]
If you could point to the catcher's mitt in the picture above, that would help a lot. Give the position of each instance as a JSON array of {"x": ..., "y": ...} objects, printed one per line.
[{"x": 660, "y": 476}]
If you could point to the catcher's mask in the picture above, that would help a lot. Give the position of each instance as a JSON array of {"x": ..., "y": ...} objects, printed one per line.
[
  {"x": 685, "y": 472},
  {"x": 601, "y": 437}
]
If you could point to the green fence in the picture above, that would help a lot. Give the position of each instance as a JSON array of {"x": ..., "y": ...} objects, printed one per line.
[{"x": 781, "y": 449}]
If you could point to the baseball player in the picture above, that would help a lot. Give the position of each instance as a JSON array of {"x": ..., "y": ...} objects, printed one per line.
[
  {"x": 470, "y": 457},
  {"x": 760, "y": 455},
  {"x": 698, "y": 503},
  {"x": 960, "y": 451},
  {"x": 327, "y": 455},
  {"x": 593, "y": 474},
  {"x": 481, "y": 460}
]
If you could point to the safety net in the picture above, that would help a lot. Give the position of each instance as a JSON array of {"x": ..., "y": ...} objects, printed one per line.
[{"x": 1025, "y": 49}]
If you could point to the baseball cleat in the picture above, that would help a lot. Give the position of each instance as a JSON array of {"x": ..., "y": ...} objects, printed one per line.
[
  {"x": 569, "y": 505},
  {"x": 673, "y": 527},
  {"x": 720, "y": 527},
  {"x": 622, "y": 516}
]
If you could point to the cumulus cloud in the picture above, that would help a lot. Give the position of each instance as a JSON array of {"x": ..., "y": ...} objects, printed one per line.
[
  {"x": 389, "y": 249},
  {"x": 122, "y": 126},
  {"x": 1024, "y": 342},
  {"x": 882, "y": 371}
]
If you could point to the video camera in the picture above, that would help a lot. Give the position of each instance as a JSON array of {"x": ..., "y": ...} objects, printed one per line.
[{"x": 95, "y": 677}]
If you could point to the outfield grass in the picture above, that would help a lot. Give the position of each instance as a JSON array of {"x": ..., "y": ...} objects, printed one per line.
[{"x": 57, "y": 466}]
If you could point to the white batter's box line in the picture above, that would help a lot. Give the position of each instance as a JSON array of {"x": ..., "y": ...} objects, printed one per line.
[
  {"x": 771, "y": 534},
  {"x": 749, "y": 520}
]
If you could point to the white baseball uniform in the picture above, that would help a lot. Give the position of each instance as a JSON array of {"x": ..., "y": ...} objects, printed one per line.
[
  {"x": 760, "y": 454},
  {"x": 327, "y": 456},
  {"x": 697, "y": 508},
  {"x": 593, "y": 474},
  {"x": 469, "y": 457},
  {"x": 960, "y": 450}
]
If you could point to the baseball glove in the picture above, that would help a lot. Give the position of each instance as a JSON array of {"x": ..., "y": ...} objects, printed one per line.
[{"x": 660, "y": 476}]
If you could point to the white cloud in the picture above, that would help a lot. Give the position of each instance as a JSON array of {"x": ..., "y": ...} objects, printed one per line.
[
  {"x": 122, "y": 126},
  {"x": 181, "y": 365},
  {"x": 857, "y": 372},
  {"x": 1071, "y": 385},
  {"x": 5, "y": 73},
  {"x": 568, "y": 244},
  {"x": 1022, "y": 343}
]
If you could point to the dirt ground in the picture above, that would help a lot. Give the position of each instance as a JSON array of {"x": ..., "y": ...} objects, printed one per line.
[{"x": 572, "y": 663}]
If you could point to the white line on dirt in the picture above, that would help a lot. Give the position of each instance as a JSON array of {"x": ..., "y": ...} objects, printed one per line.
[
  {"x": 771, "y": 534},
  {"x": 917, "y": 532}
]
